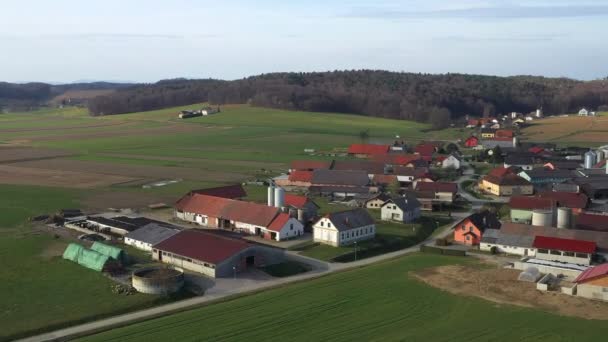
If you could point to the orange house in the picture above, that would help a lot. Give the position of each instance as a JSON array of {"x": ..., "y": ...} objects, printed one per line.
[{"x": 470, "y": 230}]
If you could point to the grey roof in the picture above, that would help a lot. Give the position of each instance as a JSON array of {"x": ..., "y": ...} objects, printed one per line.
[
  {"x": 544, "y": 173},
  {"x": 522, "y": 235},
  {"x": 350, "y": 219},
  {"x": 405, "y": 203},
  {"x": 152, "y": 233},
  {"x": 490, "y": 235},
  {"x": 515, "y": 159},
  {"x": 494, "y": 143},
  {"x": 359, "y": 165},
  {"x": 339, "y": 177}
]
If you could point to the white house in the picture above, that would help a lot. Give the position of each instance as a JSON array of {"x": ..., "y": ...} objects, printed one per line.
[
  {"x": 402, "y": 209},
  {"x": 284, "y": 227},
  {"x": 451, "y": 162},
  {"x": 344, "y": 228},
  {"x": 583, "y": 112}
]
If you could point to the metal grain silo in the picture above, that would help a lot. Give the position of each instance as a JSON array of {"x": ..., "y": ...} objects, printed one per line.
[
  {"x": 564, "y": 218},
  {"x": 279, "y": 197},
  {"x": 271, "y": 196},
  {"x": 590, "y": 159},
  {"x": 542, "y": 217}
]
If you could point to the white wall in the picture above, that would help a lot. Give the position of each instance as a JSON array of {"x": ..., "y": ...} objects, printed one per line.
[
  {"x": 138, "y": 244},
  {"x": 362, "y": 233},
  {"x": 325, "y": 232},
  {"x": 292, "y": 229}
]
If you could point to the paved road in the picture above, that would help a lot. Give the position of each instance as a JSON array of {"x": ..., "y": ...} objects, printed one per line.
[
  {"x": 475, "y": 202},
  {"x": 320, "y": 268}
]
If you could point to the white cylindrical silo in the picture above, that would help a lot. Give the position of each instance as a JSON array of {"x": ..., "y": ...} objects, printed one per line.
[
  {"x": 301, "y": 215},
  {"x": 589, "y": 159},
  {"x": 271, "y": 196},
  {"x": 542, "y": 217},
  {"x": 599, "y": 156},
  {"x": 564, "y": 218},
  {"x": 279, "y": 197}
]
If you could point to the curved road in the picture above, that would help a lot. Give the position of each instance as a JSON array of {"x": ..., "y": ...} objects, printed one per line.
[{"x": 320, "y": 268}]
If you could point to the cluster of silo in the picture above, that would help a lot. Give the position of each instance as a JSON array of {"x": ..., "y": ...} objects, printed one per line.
[
  {"x": 592, "y": 158},
  {"x": 276, "y": 196},
  {"x": 562, "y": 218}
]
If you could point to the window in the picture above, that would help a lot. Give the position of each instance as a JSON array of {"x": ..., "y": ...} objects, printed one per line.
[
  {"x": 329, "y": 224},
  {"x": 543, "y": 251},
  {"x": 569, "y": 254},
  {"x": 554, "y": 252},
  {"x": 582, "y": 255},
  {"x": 468, "y": 237},
  {"x": 462, "y": 227},
  {"x": 470, "y": 228},
  {"x": 322, "y": 224},
  {"x": 291, "y": 226},
  {"x": 342, "y": 236}
]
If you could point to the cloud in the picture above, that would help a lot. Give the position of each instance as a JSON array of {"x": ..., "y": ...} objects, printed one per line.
[{"x": 495, "y": 12}]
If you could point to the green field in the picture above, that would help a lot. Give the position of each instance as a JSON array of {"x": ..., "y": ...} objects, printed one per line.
[
  {"x": 390, "y": 236},
  {"x": 374, "y": 303}
]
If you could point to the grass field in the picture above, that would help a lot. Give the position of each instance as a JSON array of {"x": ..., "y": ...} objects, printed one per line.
[
  {"x": 571, "y": 130},
  {"x": 375, "y": 303}
]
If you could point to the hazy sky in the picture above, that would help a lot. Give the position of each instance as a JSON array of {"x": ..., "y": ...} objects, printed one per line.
[{"x": 148, "y": 40}]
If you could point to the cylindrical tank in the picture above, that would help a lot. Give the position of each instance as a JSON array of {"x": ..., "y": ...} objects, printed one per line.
[
  {"x": 301, "y": 215},
  {"x": 279, "y": 197},
  {"x": 589, "y": 159},
  {"x": 158, "y": 280},
  {"x": 515, "y": 141},
  {"x": 564, "y": 218},
  {"x": 542, "y": 217},
  {"x": 271, "y": 196}
]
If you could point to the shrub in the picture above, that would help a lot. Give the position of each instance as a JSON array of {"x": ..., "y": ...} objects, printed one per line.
[{"x": 493, "y": 250}]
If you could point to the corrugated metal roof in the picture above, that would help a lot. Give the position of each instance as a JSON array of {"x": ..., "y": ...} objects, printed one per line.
[
  {"x": 152, "y": 233},
  {"x": 566, "y": 245}
]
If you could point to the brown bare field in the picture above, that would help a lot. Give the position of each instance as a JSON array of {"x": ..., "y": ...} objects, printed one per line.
[
  {"x": 12, "y": 174},
  {"x": 131, "y": 171},
  {"x": 501, "y": 286},
  {"x": 13, "y": 154},
  {"x": 572, "y": 128},
  {"x": 235, "y": 163}
]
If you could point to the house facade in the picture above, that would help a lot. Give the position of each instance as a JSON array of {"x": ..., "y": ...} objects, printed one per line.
[
  {"x": 283, "y": 227},
  {"x": 344, "y": 228},
  {"x": 401, "y": 209},
  {"x": 593, "y": 283},
  {"x": 470, "y": 230},
  {"x": 503, "y": 182},
  {"x": 451, "y": 162}
]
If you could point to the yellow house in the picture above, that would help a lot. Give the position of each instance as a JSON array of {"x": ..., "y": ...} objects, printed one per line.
[
  {"x": 502, "y": 182},
  {"x": 488, "y": 133}
]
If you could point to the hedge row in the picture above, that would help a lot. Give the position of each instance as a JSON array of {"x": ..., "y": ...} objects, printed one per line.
[{"x": 442, "y": 251}]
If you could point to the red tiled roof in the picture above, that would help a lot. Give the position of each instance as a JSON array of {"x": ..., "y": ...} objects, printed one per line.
[
  {"x": 567, "y": 245},
  {"x": 230, "y": 191},
  {"x": 309, "y": 165},
  {"x": 504, "y": 133},
  {"x": 536, "y": 149},
  {"x": 592, "y": 273},
  {"x": 595, "y": 222},
  {"x": 279, "y": 222},
  {"x": 295, "y": 201},
  {"x": 566, "y": 199},
  {"x": 473, "y": 122},
  {"x": 437, "y": 187},
  {"x": 524, "y": 202},
  {"x": 240, "y": 211},
  {"x": 300, "y": 176},
  {"x": 202, "y": 246},
  {"x": 368, "y": 149},
  {"x": 396, "y": 159},
  {"x": 425, "y": 149},
  {"x": 500, "y": 172}
]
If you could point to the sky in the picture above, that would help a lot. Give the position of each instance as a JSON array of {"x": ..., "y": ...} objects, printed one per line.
[{"x": 148, "y": 40}]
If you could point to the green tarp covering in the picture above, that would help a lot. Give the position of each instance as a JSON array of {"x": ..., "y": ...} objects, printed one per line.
[
  {"x": 111, "y": 251},
  {"x": 85, "y": 257}
]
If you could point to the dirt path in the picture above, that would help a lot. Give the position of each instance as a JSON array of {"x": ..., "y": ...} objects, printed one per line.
[{"x": 501, "y": 286}]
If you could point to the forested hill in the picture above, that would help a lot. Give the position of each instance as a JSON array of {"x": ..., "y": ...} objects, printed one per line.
[
  {"x": 25, "y": 96},
  {"x": 420, "y": 97}
]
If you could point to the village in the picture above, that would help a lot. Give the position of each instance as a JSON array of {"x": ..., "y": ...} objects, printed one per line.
[{"x": 536, "y": 208}]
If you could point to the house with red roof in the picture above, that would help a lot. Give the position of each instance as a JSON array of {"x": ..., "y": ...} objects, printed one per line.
[
  {"x": 210, "y": 254},
  {"x": 300, "y": 179},
  {"x": 523, "y": 206},
  {"x": 471, "y": 141},
  {"x": 367, "y": 150},
  {"x": 238, "y": 216},
  {"x": 503, "y": 181},
  {"x": 504, "y": 133},
  {"x": 571, "y": 251},
  {"x": 396, "y": 159},
  {"x": 304, "y": 206},
  {"x": 593, "y": 283},
  {"x": 470, "y": 230}
]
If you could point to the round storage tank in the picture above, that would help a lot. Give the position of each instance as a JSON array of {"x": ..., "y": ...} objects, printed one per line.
[
  {"x": 543, "y": 218},
  {"x": 270, "y": 196},
  {"x": 279, "y": 197},
  {"x": 590, "y": 159},
  {"x": 564, "y": 218},
  {"x": 158, "y": 280},
  {"x": 599, "y": 156}
]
